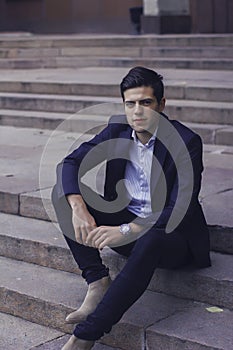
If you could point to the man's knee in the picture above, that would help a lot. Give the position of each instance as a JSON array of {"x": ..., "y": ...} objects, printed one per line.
[
  {"x": 150, "y": 245},
  {"x": 171, "y": 249},
  {"x": 158, "y": 242},
  {"x": 153, "y": 237}
]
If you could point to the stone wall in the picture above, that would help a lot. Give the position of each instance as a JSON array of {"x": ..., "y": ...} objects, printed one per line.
[
  {"x": 111, "y": 16},
  {"x": 62, "y": 16}
]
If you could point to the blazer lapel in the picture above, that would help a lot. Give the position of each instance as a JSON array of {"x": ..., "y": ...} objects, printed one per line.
[
  {"x": 163, "y": 139},
  {"x": 120, "y": 153}
]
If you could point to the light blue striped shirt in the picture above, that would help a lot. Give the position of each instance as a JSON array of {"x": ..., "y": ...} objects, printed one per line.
[{"x": 138, "y": 174}]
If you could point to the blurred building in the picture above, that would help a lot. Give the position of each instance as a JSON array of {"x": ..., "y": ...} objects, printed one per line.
[{"x": 111, "y": 16}]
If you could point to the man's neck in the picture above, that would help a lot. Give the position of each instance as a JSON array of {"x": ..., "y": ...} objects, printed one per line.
[{"x": 145, "y": 136}]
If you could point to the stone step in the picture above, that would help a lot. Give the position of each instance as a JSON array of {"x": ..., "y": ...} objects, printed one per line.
[
  {"x": 184, "y": 110},
  {"x": 116, "y": 51},
  {"x": 214, "y": 134},
  {"x": 45, "y": 296},
  {"x": 43, "y": 243},
  {"x": 210, "y": 133},
  {"x": 190, "y": 332},
  {"x": 188, "y": 90},
  {"x": 27, "y": 63},
  {"x": 126, "y": 62},
  {"x": 62, "y": 121},
  {"x": 89, "y": 40},
  {"x": 217, "y": 206},
  {"x": 72, "y": 88},
  {"x": 20, "y": 334},
  {"x": 52, "y": 103},
  {"x": 58, "y": 343},
  {"x": 31, "y": 336},
  {"x": 187, "y": 52},
  {"x": 40, "y": 120}
]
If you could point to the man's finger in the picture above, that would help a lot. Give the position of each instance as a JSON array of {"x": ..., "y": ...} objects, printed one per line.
[
  {"x": 99, "y": 240},
  {"x": 92, "y": 234},
  {"x": 78, "y": 235},
  {"x": 85, "y": 231},
  {"x": 103, "y": 244}
]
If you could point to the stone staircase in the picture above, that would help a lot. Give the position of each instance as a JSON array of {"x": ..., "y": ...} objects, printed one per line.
[
  {"x": 201, "y": 95},
  {"x": 39, "y": 281},
  {"x": 167, "y": 51}
]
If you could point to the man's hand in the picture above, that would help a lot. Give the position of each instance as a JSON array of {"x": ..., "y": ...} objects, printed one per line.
[
  {"x": 83, "y": 221},
  {"x": 111, "y": 236}
]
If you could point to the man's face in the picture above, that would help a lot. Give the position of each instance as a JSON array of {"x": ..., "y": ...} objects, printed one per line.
[{"x": 140, "y": 108}]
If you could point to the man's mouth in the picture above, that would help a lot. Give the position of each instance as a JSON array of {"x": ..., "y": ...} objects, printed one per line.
[{"x": 139, "y": 120}]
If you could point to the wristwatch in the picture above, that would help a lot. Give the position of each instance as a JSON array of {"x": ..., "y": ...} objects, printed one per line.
[{"x": 125, "y": 229}]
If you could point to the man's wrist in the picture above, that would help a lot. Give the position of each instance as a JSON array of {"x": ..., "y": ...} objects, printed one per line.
[
  {"x": 133, "y": 228},
  {"x": 75, "y": 200},
  {"x": 125, "y": 229}
]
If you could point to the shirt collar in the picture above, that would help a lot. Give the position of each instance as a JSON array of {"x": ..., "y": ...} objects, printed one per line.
[{"x": 151, "y": 140}]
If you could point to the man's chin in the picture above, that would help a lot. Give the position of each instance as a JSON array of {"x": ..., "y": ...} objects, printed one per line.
[{"x": 140, "y": 129}]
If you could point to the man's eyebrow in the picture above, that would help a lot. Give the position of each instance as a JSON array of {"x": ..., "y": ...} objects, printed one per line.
[
  {"x": 146, "y": 99},
  {"x": 143, "y": 99},
  {"x": 130, "y": 101}
]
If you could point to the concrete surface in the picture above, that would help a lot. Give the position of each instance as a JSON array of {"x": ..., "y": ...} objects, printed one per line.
[
  {"x": 195, "y": 328},
  {"x": 20, "y": 334},
  {"x": 58, "y": 343},
  {"x": 45, "y": 296}
]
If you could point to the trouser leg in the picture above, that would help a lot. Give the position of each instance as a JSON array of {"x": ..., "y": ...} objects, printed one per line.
[
  {"x": 154, "y": 249},
  {"x": 87, "y": 258}
]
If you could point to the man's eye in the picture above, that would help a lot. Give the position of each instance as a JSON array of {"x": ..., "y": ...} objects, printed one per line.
[
  {"x": 146, "y": 102},
  {"x": 129, "y": 104}
]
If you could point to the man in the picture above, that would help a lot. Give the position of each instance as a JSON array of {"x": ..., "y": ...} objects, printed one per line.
[{"x": 149, "y": 212}]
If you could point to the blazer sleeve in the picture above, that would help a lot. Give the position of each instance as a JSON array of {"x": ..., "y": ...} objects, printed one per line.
[
  {"x": 68, "y": 171},
  {"x": 72, "y": 168}
]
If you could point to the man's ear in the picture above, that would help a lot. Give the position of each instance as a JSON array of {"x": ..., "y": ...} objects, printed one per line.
[{"x": 162, "y": 104}]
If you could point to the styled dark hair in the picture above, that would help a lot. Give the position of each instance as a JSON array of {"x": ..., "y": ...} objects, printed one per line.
[{"x": 141, "y": 76}]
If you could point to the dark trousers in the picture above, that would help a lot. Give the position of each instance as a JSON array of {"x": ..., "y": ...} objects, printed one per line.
[{"x": 154, "y": 249}]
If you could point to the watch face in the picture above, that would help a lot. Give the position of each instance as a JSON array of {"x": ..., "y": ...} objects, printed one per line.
[{"x": 125, "y": 229}]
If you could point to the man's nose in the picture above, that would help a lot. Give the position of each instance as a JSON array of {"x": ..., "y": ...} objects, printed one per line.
[{"x": 138, "y": 108}]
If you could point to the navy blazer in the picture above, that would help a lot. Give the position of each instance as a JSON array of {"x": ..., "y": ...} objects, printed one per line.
[{"x": 175, "y": 178}]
